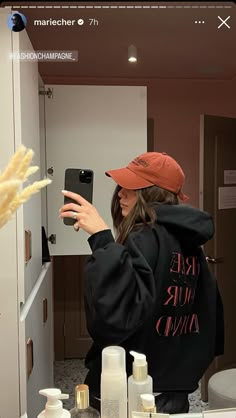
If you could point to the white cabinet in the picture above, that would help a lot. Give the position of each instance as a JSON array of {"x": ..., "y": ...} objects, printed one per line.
[
  {"x": 23, "y": 287},
  {"x": 100, "y": 128},
  {"x": 37, "y": 321}
]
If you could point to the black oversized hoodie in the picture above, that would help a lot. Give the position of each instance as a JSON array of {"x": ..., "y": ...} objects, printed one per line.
[{"x": 155, "y": 294}]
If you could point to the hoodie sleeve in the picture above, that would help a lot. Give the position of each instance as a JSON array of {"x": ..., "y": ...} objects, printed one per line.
[{"x": 119, "y": 284}]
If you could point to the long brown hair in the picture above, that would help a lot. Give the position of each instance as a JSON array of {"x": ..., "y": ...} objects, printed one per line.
[{"x": 142, "y": 213}]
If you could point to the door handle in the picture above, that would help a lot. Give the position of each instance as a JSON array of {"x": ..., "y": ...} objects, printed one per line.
[{"x": 212, "y": 260}]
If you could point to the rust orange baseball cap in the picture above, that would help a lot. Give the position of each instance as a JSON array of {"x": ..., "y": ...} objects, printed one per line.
[{"x": 151, "y": 169}]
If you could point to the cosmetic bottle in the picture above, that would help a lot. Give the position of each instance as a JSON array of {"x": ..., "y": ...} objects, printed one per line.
[
  {"x": 139, "y": 382},
  {"x": 54, "y": 407},
  {"x": 113, "y": 383},
  {"x": 82, "y": 408},
  {"x": 148, "y": 403}
]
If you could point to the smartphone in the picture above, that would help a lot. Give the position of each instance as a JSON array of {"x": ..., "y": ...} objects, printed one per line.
[{"x": 80, "y": 181}]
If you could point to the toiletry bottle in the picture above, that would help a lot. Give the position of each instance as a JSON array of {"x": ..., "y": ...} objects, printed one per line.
[
  {"x": 139, "y": 382},
  {"x": 54, "y": 407},
  {"x": 113, "y": 383},
  {"x": 82, "y": 408},
  {"x": 148, "y": 403}
]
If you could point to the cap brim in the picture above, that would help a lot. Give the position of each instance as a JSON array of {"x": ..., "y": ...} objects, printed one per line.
[{"x": 124, "y": 177}]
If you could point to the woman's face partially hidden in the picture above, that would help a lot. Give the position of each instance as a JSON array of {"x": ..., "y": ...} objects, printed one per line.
[{"x": 128, "y": 199}]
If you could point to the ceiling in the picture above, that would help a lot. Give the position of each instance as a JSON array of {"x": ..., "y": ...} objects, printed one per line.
[{"x": 169, "y": 42}]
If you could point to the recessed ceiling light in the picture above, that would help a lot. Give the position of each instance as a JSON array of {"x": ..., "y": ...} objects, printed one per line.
[{"x": 132, "y": 53}]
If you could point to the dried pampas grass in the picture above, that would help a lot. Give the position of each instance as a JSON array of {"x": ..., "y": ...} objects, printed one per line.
[{"x": 12, "y": 194}]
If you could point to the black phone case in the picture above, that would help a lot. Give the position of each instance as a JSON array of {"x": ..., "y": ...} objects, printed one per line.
[{"x": 74, "y": 184}]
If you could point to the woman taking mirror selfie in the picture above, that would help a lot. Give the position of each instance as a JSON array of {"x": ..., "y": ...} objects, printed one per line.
[{"x": 149, "y": 289}]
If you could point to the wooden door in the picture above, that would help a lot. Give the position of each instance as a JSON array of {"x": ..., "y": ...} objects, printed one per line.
[
  {"x": 218, "y": 197},
  {"x": 71, "y": 336}
]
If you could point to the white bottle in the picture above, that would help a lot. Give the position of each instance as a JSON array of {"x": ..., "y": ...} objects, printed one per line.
[
  {"x": 139, "y": 382},
  {"x": 113, "y": 383},
  {"x": 54, "y": 407},
  {"x": 148, "y": 403}
]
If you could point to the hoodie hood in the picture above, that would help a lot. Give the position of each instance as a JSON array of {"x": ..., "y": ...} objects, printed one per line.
[{"x": 187, "y": 223}]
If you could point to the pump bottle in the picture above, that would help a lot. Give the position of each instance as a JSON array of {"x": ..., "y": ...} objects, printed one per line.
[
  {"x": 138, "y": 383},
  {"x": 54, "y": 407},
  {"x": 148, "y": 403}
]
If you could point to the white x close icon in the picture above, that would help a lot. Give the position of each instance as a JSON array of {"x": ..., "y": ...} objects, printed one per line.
[{"x": 224, "y": 22}]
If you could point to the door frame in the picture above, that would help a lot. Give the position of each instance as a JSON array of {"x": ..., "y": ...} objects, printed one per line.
[
  {"x": 213, "y": 366},
  {"x": 201, "y": 162}
]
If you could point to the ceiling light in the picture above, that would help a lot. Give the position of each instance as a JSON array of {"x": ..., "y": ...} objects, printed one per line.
[{"x": 132, "y": 53}]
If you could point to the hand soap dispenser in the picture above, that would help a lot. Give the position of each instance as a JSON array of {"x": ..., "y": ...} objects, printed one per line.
[
  {"x": 139, "y": 382},
  {"x": 54, "y": 407}
]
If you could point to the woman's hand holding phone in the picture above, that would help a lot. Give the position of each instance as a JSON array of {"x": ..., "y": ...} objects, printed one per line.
[{"x": 85, "y": 214}]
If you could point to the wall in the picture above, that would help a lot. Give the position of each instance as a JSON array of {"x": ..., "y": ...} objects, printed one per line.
[{"x": 176, "y": 106}]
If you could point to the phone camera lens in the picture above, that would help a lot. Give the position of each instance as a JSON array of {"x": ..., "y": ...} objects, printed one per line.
[{"x": 85, "y": 176}]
